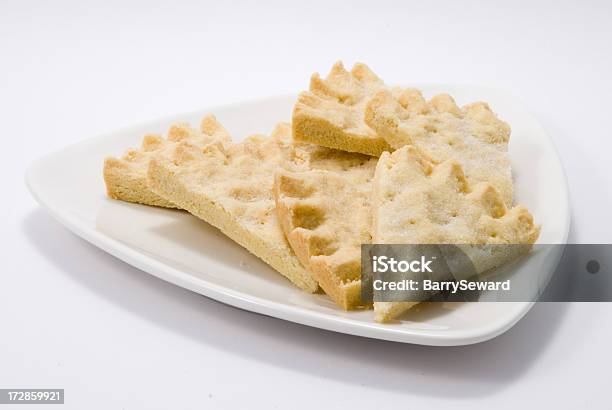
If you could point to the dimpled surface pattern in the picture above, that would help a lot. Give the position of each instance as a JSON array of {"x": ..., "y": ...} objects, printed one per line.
[
  {"x": 419, "y": 201},
  {"x": 473, "y": 135}
]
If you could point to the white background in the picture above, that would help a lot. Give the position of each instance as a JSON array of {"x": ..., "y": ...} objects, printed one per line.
[{"x": 116, "y": 338}]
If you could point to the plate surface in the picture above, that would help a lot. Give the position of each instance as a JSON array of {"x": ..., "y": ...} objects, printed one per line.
[{"x": 178, "y": 248}]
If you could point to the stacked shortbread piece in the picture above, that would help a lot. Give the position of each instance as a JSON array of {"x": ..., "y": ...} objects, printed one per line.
[{"x": 360, "y": 163}]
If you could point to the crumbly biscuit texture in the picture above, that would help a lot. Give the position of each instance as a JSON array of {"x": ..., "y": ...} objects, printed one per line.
[
  {"x": 325, "y": 215},
  {"x": 472, "y": 135},
  {"x": 418, "y": 201},
  {"x": 125, "y": 177},
  {"x": 331, "y": 113},
  {"x": 230, "y": 186}
]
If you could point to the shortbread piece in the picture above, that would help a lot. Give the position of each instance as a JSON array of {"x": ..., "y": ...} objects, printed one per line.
[
  {"x": 326, "y": 216},
  {"x": 230, "y": 187},
  {"x": 331, "y": 114},
  {"x": 472, "y": 135},
  {"x": 126, "y": 177},
  {"x": 418, "y": 201}
]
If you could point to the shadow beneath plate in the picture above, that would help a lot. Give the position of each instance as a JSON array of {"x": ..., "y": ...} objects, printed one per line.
[{"x": 466, "y": 371}]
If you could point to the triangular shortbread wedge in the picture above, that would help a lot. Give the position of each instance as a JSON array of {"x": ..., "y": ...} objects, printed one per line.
[
  {"x": 230, "y": 187},
  {"x": 326, "y": 216},
  {"x": 126, "y": 177},
  {"x": 472, "y": 135},
  {"x": 331, "y": 113},
  {"x": 418, "y": 201}
]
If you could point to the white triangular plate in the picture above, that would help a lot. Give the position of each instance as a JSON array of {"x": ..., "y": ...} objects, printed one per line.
[{"x": 183, "y": 250}]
